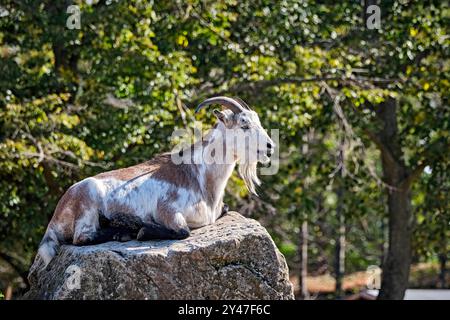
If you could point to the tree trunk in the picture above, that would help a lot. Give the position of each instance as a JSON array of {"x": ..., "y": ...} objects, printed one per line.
[
  {"x": 66, "y": 56},
  {"x": 304, "y": 293},
  {"x": 339, "y": 260},
  {"x": 385, "y": 243},
  {"x": 443, "y": 270},
  {"x": 340, "y": 244},
  {"x": 395, "y": 275}
]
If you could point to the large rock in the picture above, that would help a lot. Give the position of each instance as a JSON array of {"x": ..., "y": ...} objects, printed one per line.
[{"x": 235, "y": 258}]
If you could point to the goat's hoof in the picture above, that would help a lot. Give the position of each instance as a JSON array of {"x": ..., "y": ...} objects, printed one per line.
[
  {"x": 225, "y": 208},
  {"x": 182, "y": 234},
  {"x": 122, "y": 237},
  {"x": 82, "y": 240}
]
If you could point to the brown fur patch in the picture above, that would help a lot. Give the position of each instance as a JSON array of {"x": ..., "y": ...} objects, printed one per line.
[
  {"x": 69, "y": 209},
  {"x": 130, "y": 172},
  {"x": 211, "y": 179},
  {"x": 210, "y": 187},
  {"x": 160, "y": 168},
  {"x": 180, "y": 175}
]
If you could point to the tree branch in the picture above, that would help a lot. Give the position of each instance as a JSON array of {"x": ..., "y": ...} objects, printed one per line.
[
  {"x": 380, "y": 145},
  {"x": 429, "y": 155},
  {"x": 255, "y": 86},
  {"x": 413, "y": 176},
  {"x": 15, "y": 266}
]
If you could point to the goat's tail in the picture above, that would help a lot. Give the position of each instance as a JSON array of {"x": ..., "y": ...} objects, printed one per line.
[{"x": 48, "y": 246}]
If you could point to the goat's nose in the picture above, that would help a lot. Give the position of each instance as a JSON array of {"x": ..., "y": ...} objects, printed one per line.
[{"x": 270, "y": 149}]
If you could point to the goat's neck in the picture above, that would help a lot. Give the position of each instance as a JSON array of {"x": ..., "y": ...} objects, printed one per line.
[{"x": 215, "y": 175}]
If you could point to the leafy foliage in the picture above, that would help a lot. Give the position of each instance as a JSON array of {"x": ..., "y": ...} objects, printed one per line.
[{"x": 77, "y": 102}]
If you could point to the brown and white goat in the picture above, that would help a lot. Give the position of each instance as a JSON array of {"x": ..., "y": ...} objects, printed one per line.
[{"x": 160, "y": 199}]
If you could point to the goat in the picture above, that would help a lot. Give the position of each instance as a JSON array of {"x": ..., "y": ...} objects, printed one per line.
[{"x": 159, "y": 199}]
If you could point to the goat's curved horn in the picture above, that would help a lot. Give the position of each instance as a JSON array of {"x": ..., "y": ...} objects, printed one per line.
[
  {"x": 228, "y": 103},
  {"x": 242, "y": 102}
]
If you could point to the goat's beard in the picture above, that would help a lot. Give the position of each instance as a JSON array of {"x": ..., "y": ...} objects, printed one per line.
[{"x": 247, "y": 171}]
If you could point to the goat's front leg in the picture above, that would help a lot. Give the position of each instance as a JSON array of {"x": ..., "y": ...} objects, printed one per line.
[
  {"x": 107, "y": 234},
  {"x": 94, "y": 228},
  {"x": 155, "y": 231},
  {"x": 167, "y": 226},
  {"x": 224, "y": 211}
]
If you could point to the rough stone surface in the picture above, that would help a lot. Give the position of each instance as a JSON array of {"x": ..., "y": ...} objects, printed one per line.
[{"x": 235, "y": 258}]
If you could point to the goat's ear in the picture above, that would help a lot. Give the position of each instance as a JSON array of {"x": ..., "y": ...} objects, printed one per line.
[{"x": 220, "y": 115}]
